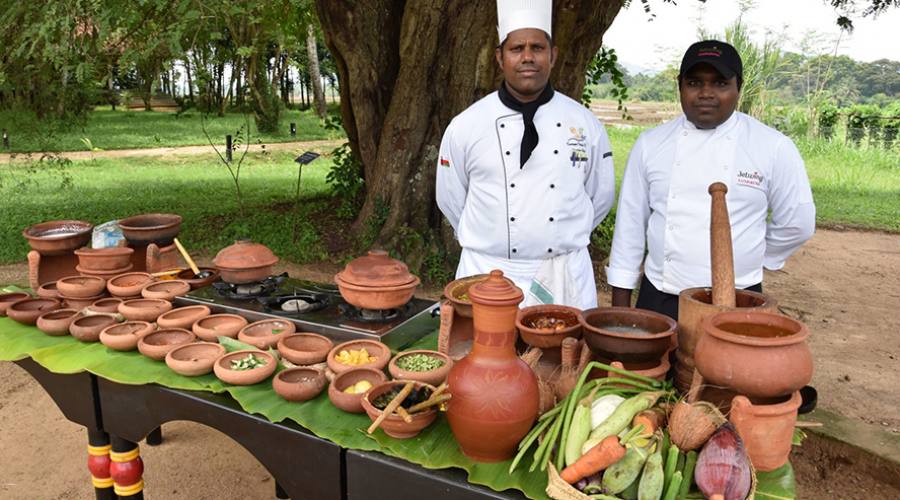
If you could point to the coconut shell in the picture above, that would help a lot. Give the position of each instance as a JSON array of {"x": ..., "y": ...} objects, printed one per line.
[
  {"x": 692, "y": 424},
  {"x": 531, "y": 357}
]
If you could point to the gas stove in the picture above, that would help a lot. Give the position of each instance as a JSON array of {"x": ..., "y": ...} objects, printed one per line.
[{"x": 317, "y": 307}]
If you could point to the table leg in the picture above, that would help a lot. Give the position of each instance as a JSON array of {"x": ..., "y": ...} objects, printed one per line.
[
  {"x": 98, "y": 464},
  {"x": 127, "y": 469},
  {"x": 155, "y": 437}
]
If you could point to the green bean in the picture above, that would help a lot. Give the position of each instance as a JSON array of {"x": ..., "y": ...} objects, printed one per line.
[
  {"x": 673, "y": 486},
  {"x": 671, "y": 462},
  {"x": 546, "y": 444},
  {"x": 527, "y": 442},
  {"x": 652, "y": 381},
  {"x": 554, "y": 433},
  {"x": 688, "y": 476}
]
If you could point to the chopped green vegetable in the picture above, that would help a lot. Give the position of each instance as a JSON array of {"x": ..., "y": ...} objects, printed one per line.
[
  {"x": 419, "y": 362},
  {"x": 247, "y": 363}
]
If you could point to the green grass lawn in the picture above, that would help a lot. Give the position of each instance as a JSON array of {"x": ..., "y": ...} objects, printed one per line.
[{"x": 106, "y": 129}]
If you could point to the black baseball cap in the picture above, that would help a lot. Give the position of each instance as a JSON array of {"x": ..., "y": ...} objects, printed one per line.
[{"x": 720, "y": 55}]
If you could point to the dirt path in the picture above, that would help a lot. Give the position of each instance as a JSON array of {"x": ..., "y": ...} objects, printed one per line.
[
  {"x": 842, "y": 284},
  {"x": 180, "y": 150}
]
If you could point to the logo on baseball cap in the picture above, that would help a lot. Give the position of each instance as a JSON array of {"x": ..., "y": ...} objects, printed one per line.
[{"x": 720, "y": 55}]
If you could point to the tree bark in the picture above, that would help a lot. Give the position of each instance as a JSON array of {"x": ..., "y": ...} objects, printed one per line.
[
  {"x": 437, "y": 58},
  {"x": 190, "y": 81},
  {"x": 312, "y": 54}
]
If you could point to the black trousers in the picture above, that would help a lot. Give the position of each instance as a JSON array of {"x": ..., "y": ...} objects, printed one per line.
[{"x": 666, "y": 303}]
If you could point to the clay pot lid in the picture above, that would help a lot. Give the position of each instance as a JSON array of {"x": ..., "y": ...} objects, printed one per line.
[
  {"x": 495, "y": 291},
  {"x": 244, "y": 254},
  {"x": 376, "y": 269}
]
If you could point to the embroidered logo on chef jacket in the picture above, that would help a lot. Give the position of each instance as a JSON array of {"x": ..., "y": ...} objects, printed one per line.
[
  {"x": 751, "y": 179},
  {"x": 445, "y": 162},
  {"x": 578, "y": 145}
]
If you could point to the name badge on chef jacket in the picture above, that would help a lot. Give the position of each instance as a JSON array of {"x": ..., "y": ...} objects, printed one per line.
[{"x": 577, "y": 147}]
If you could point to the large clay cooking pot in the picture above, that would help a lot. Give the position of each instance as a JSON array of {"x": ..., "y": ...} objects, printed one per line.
[
  {"x": 632, "y": 336},
  {"x": 376, "y": 281},
  {"x": 245, "y": 262},
  {"x": 757, "y": 354},
  {"x": 495, "y": 394},
  {"x": 58, "y": 237}
]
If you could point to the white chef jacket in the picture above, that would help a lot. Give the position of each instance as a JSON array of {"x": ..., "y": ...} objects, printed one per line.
[
  {"x": 512, "y": 218},
  {"x": 664, "y": 201}
]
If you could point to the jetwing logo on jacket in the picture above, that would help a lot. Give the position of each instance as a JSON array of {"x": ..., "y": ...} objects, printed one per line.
[
  {"x": 752, "y": 179},
  {"x": 578, "y": 145}
]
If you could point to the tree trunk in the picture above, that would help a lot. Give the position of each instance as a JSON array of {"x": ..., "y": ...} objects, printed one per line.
[
  {"x": 312, "y": 54},
  {"x": 436, "y": 58},
  {"x": 190, "y": 81}
]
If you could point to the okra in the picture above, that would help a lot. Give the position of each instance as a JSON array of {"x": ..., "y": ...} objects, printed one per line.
[
  {"x": 688, "y": 476},
  {"x": 673, "y": 486},
  {"x": 671, "y": 463}
]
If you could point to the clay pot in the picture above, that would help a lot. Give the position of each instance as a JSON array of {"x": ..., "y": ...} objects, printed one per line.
[
  {"x": 376, "y": 282},
  {"x": 543, "y": 337},
  {"x": 495, "y": 394},
  {"x": 88, "y": 328},
  {"x": 381, "y": 352},
  {"x": 432, "y": 377},
  {"x": 654, "y": 334},
  {"x": 80, "y": 303},
  {"x": 107, "y": 305},
  {"x": 183, "y": 317},
  {"x": 58, "y": 237},
  {"x": 144, "y": 309},
  {"x": 125, "y": 336},
  {"x": 767, "y": 430},
  {"x": 305, "y": 348},
  {"x": 104, "y": 274},
  {"x": 7, "y": 299},
  {"x": 56, "y": 323},
  {"x": 27, "y": 310},
  {"x": 80, "y": 287},
  {"x": 757, "y": 354},
  {"x": 299, "y": 384},
  {"x": 195, "y": 359},
  {"x": 393, "y": 425},
  {"x": 245, "y": 262},
  {"x": 266, "y": 333},
  {"x": 155, "y": 345},
  {"x": 210, "y": 328},
  {"x": 658, "y": 371},
  {"x": 103, "y": 260},
  {"x": 128, "y": 284},
  {"x": 457, "y": 288},
  {"x": 48, "y": 291},
  {"x": 352, "y": 403},
  {"x": 223, "y": 371},
  {"x": 187, "y": 276},
  {"x": 166, "y": 290},
  {"x": 141, "y": 230}
]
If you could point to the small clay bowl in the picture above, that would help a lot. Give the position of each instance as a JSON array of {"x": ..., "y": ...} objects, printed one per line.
[
  {"x": 223, "y": 371},
  {"x": 128, "y": 284},
  {"x": 183, "y": 317},
  {"x": 188, "y": 276},
  {"x": 547, "y": 338},
  {"x": 144, "y": 309},
  {"x": 431, "y": 377},
  {"x": 80, "y": 287},
  {"x": 125, "y": 336},
  {"x": 393, "y": 425},
  {"x": 80, "y": 303},
  {"x": 88, "y": 328},
  {"x": 305, "y": 348},
  {"x": 195, "y": 359},
  {"x": 352, "y": 403},
  {"x": 381, "y": 352},
  {"x": 106, "y": 305},
  {"x": 266, "y": 333},
  {"x": 212, "y": 327},
  {"x": 166, "y": 289},
  {"x": 48, "y": 291},
  {"x": 155, "y": 345},
  {"x": 27, "y": 311},
  {"x": 7, "y": 300},
  {"x": 299, "y": 384},
  {"x": 457, "y": 288},
  {"x": 103, "y": 260},
  {"x": 56, "y": 323}
]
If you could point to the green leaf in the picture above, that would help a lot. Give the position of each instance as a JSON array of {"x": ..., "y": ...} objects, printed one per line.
[{"x": 779, "y": 484}]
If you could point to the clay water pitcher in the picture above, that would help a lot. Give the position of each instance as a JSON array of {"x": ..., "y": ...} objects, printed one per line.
[{"x": 495, "y": 394}]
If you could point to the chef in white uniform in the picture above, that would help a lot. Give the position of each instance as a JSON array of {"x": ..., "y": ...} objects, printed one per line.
[
  {"x": 525, "y": 174},
  {"x": 664, "y": 204}
]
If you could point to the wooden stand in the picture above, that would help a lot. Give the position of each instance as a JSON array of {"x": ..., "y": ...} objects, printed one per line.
[
  {"x": 154, "y": 259},
  {"x": 456, "y": 334},
  {"x": 44, "y": 269}
]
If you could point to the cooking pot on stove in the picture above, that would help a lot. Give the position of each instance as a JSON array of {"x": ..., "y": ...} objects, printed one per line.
[
  {"x": 245, "y": 262},
  {"x": 376, "y": 281}
]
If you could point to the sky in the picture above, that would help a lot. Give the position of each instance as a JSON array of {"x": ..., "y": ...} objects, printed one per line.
[{"x": 655, "y": 44}]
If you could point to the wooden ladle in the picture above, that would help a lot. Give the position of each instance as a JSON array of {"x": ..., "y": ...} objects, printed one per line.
[{"x": 188, "y": 259}]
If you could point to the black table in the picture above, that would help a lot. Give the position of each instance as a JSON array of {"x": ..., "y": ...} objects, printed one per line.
[{"x": 304, "y": 466}]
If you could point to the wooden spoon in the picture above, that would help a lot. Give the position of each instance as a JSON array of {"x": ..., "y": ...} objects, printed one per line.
[{"x": 187, "y": 258}]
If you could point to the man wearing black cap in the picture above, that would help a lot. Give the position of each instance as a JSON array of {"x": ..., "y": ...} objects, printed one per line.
[{"x": 664, "y": 202}]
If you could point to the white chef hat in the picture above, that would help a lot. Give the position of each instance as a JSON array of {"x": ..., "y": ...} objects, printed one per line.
[{"x": 514, "y": 15}]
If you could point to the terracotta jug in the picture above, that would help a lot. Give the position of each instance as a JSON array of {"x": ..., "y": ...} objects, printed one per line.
[
  {"x": 495, "y": 394},
  {"x": 767, "y": 430}
]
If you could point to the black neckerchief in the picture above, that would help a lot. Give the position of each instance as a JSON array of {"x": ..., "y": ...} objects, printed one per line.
[{"x": 528, "y": 109}]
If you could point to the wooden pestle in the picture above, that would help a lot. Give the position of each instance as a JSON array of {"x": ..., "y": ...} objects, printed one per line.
[{"x": 721, "y": 250}]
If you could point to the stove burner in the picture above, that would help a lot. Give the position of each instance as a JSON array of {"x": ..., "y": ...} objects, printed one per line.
[
  {"x": 354, "y": 313},
  {"x": 294, "y": 304},
  {"x": 249, "y": 290}
]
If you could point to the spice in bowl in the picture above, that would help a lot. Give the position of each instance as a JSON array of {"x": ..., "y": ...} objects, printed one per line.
[
  {"x": 355, "y": 357},
  {"x": 548, "y": 323},
  {"x": 247, "y": 363},
  {"x": 419, "y": 363},
  {"x": 359, "y": 387},
  {"x": 415, "y": 397}
]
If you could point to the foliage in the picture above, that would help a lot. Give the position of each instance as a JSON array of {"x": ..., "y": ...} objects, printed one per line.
[
  {"x": 605, "y": 63},
  {"x": 345, "y": 180},
  {"x": 828, "y": 118}
]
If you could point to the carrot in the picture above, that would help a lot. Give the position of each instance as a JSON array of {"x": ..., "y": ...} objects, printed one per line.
[
  {"x": 601, "y": 456},
  {"x": 650, "y": 419}
]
